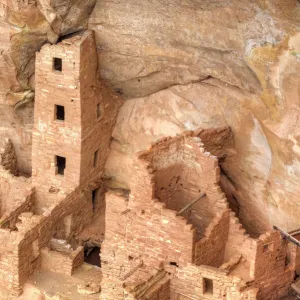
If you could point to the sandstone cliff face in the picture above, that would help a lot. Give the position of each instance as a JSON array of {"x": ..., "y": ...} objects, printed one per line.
[{"x": 181, "y": 65}]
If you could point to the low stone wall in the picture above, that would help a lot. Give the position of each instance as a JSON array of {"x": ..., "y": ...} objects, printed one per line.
[{"x": 64, "y": 263}]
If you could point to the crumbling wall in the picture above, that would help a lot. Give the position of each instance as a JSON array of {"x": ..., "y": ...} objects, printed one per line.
[
  {"x": 13, "y": 193},
  {"x": 35, "y": 232},
  {"x": 141, "y": 230},
  {"x": 272, "y": 274},
  {"x": 8, "y": 157},
  {"x": 19, "y": 254},
  {"x": 10, "y": 217},
  {"x": 182, "y": 171},
  {"x": 77, "y": 206},
  {"x": 239, "y": 242}
]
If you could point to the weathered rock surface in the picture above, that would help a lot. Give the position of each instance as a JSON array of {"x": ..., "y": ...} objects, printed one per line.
[
  {"x": 150, "y": 45},
  {"x": 208, "y": 63}
]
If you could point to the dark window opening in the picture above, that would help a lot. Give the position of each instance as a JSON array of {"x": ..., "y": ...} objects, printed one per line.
[
  {"x": 94, "y": 198},
  {"x": 59, "y": 112},
  {"x": 96, "y": 158},
  {"x": 60, "y": 164},
  {"x": 98, "y": 111},
  {"x": 173, "y": 263},
  {"x": 208, "y": 286},
  {"x": 57, "y": 64},
  {"x": 92, "y": 256}
]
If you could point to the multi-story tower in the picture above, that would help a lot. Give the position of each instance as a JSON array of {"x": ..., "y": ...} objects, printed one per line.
[{"x": 74, "y": 117}]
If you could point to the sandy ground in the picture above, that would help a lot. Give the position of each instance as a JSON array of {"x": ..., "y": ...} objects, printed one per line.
[{"x": 58, "y": 286}]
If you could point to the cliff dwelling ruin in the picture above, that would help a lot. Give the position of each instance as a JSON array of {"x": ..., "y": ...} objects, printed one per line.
[
  {"x": 172, "y": 236},
  {"x": 172, "y": 223}
]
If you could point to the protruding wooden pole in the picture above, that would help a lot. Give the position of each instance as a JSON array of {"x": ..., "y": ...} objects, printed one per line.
[
  {"x": 191, "y": 204},
  {"x": 288, "y": 236}
]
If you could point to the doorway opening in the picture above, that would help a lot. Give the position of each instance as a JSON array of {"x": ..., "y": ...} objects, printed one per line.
[{"x": 92, "y": 256}]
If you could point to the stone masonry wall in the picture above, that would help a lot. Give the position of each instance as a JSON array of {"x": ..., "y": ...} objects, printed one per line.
[
  {"x": 22, "y": 248},
  {"x": 141, "y": 228},
  {"x": 161, "y": 293},
  {"x": 13, "y": 192},
  {"x": 148, "y": 237},
  {"x": 196, "y": 171},
  {"x": 35, "y": 232},
  {"x": 273, "y": 276},
  {"x": 63, "y": 203},
  {"x": 189, "y": 283},
  {"x": 78, "y": 88},
  {"x": 63, "y": 263},
  {"x": 96, "y": 129},
  {"x": 210, "y": 249},
  {"x": 168, "y": 238},
  {"x": 10, "y": 217},
  {"x": 8, "y": 261},
  {"x": 239, "y": 242},
  {"x": 53, "y": 137}
]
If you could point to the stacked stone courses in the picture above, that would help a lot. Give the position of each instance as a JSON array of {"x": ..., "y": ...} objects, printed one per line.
[
  {"x": 155, "y": 239},
  {"x": 162, "y": 240}
]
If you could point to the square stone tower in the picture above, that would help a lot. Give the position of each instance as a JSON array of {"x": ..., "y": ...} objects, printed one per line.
[{"x": 73, "y": 118}]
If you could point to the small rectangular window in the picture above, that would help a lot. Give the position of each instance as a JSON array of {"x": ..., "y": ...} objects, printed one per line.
[
  {"x": 96, "y": 158},
  {"x": 57, "y": 64},
  {"x": 208, "y": 286},
  {"x": 60, "y": 165},
  {"x": 59, "y": 112},
  {"x": 98, "y": 111}
]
